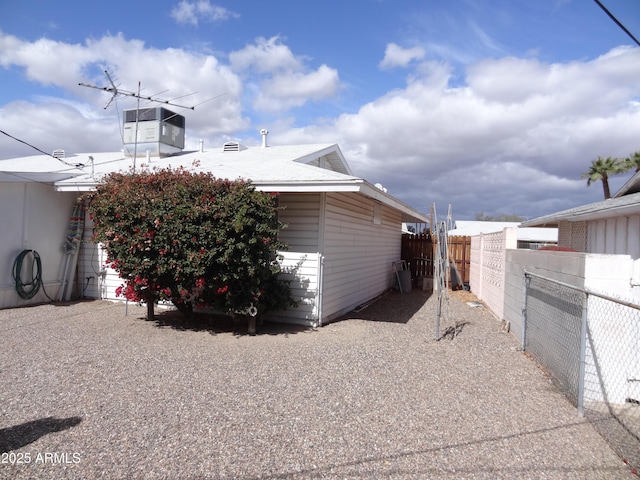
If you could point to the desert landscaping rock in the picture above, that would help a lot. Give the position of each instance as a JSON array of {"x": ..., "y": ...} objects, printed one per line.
[{"x": 89, "y": 392}]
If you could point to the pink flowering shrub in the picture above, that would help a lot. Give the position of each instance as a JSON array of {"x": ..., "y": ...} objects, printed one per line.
[{"x": 192, "y": 239}]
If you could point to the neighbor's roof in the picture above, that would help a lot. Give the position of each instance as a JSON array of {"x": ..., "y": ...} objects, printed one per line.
[
  {"x": 292, "y": 168},
  {"x": 470, "y": 228},
  {"x": 631, "y": 186},
  {"x": 613, "y": 207}
]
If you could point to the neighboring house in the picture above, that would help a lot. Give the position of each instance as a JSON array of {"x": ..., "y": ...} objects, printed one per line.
[
  {"x": 531, "y": 238},
  {"x": 610, "y": 226},
  {"x": 605, "y": 239},
  {"x": 343, "y": 232}
]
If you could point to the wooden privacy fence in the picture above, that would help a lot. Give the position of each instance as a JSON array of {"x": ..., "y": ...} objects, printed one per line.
[{"x": 419, "y": 252}]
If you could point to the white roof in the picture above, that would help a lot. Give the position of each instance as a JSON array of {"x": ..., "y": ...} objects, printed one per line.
[
  {"x": 470, "y": 228},
  {"x": 612, "y": 207},
  {"x": 292, "y": 168}
]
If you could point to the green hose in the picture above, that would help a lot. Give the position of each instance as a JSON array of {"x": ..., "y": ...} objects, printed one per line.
[{"x": 28, "y": 289}]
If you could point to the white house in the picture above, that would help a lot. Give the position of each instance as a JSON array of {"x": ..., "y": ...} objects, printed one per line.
[{"x": 343, "y": 232}]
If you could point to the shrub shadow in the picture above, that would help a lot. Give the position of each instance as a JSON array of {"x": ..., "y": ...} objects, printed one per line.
[
  {"x": 18, "y": 436},
  {"x": 222, "y": 324}
]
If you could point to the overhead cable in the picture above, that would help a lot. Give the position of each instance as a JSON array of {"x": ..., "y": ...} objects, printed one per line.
[
  {"x": 617, "y": 22},
  {"x": 76, "y": 165}
]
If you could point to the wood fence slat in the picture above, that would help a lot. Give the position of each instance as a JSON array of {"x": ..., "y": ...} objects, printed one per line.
[{"x": 418, "y": 252}]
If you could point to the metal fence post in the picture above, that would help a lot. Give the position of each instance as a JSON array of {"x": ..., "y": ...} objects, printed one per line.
[
  {"x": 583, "y": 352},
  {"x": 526, "y": 278}
]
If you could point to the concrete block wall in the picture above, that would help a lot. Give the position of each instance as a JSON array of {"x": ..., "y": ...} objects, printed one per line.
[
  {"x": 488, "y": 266},
  {"x": 567, "y": 267}
]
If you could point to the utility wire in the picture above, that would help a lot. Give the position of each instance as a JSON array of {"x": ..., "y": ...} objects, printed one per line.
[
  {"x": 77, "y": 165},
  {"x": 617, "y": 22}
]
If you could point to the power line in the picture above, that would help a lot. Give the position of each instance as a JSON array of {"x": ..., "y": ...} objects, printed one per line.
[
  {"x": 617, "y": 22},
  {"x": 76, "y": 165}
]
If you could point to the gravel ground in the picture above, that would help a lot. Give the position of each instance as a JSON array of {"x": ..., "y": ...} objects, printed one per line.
[{"x": 89, "y": 392}]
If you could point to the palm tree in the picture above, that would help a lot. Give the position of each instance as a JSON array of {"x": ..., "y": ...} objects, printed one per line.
[
  {"x": 601, "y": 168},
  {"x": 633, "y": 162}
]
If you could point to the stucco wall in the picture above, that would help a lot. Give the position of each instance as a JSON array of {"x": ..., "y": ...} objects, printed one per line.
[{"x": 34, "y": 216}]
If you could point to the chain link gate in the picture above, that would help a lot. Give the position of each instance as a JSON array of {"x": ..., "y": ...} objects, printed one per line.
[{"x": 589, "y": 343}]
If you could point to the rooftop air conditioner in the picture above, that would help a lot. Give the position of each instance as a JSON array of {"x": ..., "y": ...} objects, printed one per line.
[{"x": 157, "y": 130}]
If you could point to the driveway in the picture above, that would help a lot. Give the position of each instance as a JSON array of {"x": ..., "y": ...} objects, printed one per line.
[{"x": 89, "y": 390}]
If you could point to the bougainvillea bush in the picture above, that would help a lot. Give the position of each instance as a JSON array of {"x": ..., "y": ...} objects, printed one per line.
[{"x": 192, "y": 239}]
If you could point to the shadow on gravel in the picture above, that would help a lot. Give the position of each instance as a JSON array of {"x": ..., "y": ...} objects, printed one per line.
[
  {"x": 391, "y": 307},
  {"x": 453, "y": 331},
  {"x": 502, "y": 470},
  {"x": 218, "y": 324},
  {"x": 18, "y": 436}
]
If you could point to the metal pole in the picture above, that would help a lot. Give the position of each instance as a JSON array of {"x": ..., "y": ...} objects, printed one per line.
[
  {"x": 525, "y": 289},
  {"x": 135, "y": 145},
  {"x": 583, "y": 352}
]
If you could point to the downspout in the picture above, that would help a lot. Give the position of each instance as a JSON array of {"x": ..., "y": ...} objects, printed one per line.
[
  {"x": 319, "y": 295},
  {"x": 321, "y": 233},
  {"x": 25, "y": 220}
]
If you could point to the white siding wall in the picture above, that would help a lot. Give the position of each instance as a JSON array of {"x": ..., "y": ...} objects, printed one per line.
[
  {"x": 304, "y": 271},
  {"x": 358, "y": 252},
  {"x": 617, "y": 235},
  {"x": 102, "y": 281},
  {"x": 34, "y": 216},
  {"x": 301, "y": 213}
]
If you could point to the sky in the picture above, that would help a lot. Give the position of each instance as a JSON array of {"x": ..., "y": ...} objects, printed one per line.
[{"x": 490, "y": 106}]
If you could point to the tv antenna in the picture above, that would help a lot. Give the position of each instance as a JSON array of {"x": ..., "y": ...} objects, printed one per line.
[{"x": 115, "y": 92}]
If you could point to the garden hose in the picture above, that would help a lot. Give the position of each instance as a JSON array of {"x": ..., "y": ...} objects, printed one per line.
[{"x": 28, "y": 289}]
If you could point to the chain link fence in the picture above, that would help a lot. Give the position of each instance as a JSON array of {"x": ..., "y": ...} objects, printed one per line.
[{"x": 589, "y": 344}]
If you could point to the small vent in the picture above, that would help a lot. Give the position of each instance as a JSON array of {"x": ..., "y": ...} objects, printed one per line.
[
  {"x": 58, "y": 154},
  {"x": 233, "y": 147}
]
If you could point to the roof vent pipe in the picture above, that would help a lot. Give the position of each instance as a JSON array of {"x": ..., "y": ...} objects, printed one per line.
[
  {"x": 201, "y": 149},
  {"x": 264, "y": 132}
]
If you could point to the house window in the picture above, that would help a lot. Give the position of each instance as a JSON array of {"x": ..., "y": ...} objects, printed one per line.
[{"x": 377, "y": 214}]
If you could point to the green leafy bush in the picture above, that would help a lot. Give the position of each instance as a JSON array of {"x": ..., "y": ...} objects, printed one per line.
[{"x": 191, "y": 239}]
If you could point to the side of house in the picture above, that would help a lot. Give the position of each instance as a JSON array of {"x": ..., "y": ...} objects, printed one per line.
[
  {"x": 343, "y": 233},
  {"x": 361, "y": 239},
  {"x": 34, "y": 217}
]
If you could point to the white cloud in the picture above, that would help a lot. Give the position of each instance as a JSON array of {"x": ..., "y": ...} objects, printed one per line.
[
  {"x": 294, "y": 89},
  {"x": 192, "y": 13},
  {"x": 517, "y": 130},
  {"x": 396, "y": 56},
  {"x": 266, "y": 56},
  {"x": 282, "y": 80},
  {"x": 176, "y": 72},
  {"x": 513, "y": 136}
]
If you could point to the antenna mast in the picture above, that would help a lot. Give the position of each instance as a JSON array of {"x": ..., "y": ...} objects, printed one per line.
[{"x": 115, "y": 92}]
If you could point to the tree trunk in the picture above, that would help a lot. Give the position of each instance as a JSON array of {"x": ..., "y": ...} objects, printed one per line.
[
  {"x": 605, "y": 186},
  {"x": 150, "y": 301},
  {"x": 251, "y": 325}
]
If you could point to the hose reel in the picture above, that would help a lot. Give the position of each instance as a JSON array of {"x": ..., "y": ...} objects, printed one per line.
[{"x": 28, "y": 288}]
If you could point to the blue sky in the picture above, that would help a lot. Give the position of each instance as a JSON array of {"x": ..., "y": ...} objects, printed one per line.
[{"x": 489, "y": 105}]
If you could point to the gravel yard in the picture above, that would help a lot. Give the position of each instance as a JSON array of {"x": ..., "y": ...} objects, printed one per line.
[{"x": 89, "y": 392}]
